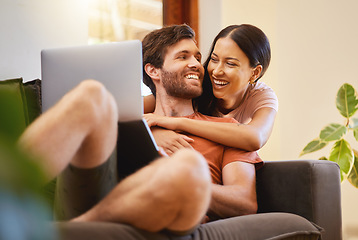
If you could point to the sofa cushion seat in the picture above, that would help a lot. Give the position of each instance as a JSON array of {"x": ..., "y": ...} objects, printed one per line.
[{"x": 273, "y": 226}]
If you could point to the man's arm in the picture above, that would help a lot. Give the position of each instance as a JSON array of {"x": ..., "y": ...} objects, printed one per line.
[{"x": 237, "y": 195}]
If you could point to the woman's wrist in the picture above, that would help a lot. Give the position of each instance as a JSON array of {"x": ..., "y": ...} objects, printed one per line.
[{"x": 182, "y": 123}]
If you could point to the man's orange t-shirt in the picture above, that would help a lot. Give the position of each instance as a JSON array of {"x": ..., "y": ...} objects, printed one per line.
[{"x": 217, "y": 155}]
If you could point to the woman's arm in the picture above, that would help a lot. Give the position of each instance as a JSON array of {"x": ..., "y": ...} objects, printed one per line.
[
  {"x": 249, "y": 137},
  {"x": 168, "y": 140},
  {"x": 149, "y": 103}
]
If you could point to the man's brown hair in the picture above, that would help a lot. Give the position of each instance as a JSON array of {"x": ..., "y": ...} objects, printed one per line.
[{"x": 156, "y": 43}]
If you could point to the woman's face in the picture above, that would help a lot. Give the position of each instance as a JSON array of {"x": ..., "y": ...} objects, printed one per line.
[{"x": 230, "y": 72}]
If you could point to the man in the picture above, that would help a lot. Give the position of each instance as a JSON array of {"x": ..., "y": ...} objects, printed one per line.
[
  {"x": 74, "y": 139},
  {"x": 173, "y": 71}
]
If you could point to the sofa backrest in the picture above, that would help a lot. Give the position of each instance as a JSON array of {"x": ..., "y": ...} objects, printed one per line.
[
  {"x": 25, "y": 96},
  {"x": 309, "y": 188}
]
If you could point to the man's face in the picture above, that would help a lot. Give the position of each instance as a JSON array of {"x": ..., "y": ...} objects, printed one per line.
[{"x": 182, "y": 73}]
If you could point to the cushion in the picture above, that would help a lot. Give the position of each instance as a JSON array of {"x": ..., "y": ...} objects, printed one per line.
[
  {"x": 103, "y": 231},
  {"x": 12, "y": 98},
  {"x": 25, "y": 96},
  {"x": 272, "y": 226},
  {"x": 33, "y": 98}
]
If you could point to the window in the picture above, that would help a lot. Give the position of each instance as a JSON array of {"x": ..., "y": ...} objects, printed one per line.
[{"x": 119, "y": 20}]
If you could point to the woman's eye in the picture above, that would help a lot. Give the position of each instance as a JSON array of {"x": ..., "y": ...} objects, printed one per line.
[
  {"x": 213, "y": 59},
  {"x": 231, "y": 64}
]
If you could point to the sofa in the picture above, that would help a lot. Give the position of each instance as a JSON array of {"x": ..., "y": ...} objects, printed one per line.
[{"x": 297, "y": 199}]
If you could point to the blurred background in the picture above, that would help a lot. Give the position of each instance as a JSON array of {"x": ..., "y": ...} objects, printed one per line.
[{"x": 314, "y": 51}]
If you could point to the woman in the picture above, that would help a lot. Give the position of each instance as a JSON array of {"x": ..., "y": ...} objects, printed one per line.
[{"x": 239, "y": 57}]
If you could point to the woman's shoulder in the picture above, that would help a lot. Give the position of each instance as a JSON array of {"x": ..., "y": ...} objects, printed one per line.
[
  {"x": 262, "y": 92},
  {"x": 261, "y": 95},
  {"x": 262, "y": 87}
]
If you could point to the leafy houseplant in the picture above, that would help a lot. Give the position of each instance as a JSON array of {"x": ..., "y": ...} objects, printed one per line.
[
  {"x": 24, "y": 211},
  {"x": 342, "y": 153}
]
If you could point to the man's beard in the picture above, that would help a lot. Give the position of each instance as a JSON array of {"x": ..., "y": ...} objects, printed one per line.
[{"x": 175, "y": 86}]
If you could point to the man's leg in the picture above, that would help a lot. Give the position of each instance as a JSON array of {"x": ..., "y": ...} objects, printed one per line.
[
  {"x": 170, "y": 193},
  {"x": 80, "y": 129}
]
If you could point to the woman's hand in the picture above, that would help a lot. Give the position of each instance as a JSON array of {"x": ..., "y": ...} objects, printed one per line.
[
  {"x": 170, "y": 141},
  {"x": 161, "y": 121}
]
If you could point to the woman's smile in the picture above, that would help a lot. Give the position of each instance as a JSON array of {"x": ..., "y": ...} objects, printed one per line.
[{"x": 217, "y": 83}]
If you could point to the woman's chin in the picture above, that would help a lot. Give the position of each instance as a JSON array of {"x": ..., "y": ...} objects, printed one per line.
[{"x": 218, "y": 95}]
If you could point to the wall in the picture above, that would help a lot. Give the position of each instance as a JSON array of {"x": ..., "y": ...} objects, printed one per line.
[
  {"x": 27, "y": 27},
  {"x": 210, "y": 24},
  {"x": 314, "y": 51}
]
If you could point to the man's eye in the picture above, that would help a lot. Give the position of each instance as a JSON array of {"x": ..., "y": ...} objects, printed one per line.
[{"x": 181, "y": 57}]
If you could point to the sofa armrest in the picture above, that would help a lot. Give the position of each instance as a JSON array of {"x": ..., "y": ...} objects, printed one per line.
[
  {"x": 33, "y": 98},
  {"x": 309, "y": 188}
]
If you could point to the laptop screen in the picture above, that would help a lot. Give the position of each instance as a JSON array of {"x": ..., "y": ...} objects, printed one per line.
[{"x": 117, "y": 65}]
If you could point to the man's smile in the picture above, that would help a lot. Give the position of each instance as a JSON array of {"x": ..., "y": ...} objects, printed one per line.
[{"x": 192, "y": 76}]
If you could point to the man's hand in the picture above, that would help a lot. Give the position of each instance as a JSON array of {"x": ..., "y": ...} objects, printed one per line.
[{"x": 170, "y": 141}]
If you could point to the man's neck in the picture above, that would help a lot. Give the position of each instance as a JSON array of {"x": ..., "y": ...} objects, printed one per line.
[{"x": 173, "y": 107}]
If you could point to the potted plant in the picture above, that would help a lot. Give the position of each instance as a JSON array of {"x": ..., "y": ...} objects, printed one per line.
[
  {"x": 24, "y": 210},
  {"x": 342, "y": 153}
]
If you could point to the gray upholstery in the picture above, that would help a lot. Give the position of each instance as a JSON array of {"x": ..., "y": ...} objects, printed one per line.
[
  {"x": 308, "y": 188},
  {"x": 251, "y": 227},
  {"x": 296, "y": 198}
]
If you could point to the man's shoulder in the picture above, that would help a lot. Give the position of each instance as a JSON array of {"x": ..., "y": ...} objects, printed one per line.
[{"x": 203, "y": 117}]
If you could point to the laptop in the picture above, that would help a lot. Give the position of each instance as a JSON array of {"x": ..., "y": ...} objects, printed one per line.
[{"x": 119, "y": 67}]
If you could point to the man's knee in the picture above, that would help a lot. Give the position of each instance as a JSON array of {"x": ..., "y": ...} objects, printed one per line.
[
  {"x": 184, "y": 175},
  {"x": 193, "y": 191},
  {"x": 192, "y": 173},
  {"x": 93, "y": 97},
  {"x": 91, "y": 92},
  {"x": 99, "y": 110},
  {"x": 92, "y": 86},
  {"x": 193, "y": 165}
]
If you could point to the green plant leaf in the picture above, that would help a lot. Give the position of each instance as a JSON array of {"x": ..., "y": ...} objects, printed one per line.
[
  {"x": 332, "y": 132},
  {"x": 346, "y": 100},
  {"x": 313, "y": 146},
  {"x": 11, "y": 120},
  {"x": 353, "y": 175},
  {"x": 18, "y": 171},
  {"x": 342, "y": 154},
  {"x": 355, "y": 128}
]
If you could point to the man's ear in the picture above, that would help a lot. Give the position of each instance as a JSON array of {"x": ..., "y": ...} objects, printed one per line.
[{"x": 152, "y": 71}]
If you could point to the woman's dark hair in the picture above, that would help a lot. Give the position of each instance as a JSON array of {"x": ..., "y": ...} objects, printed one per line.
[
  {"x": 253, "y": 42},
  {"x": 156, "y": 43}
]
